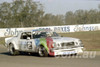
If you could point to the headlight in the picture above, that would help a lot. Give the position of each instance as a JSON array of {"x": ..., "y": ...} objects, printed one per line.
[
  {"x": 56, "y": 45},
  {"x": 79, "y": 43}
]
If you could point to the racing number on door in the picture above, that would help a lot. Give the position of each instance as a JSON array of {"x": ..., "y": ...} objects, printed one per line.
[
  {"x": 29, "y": 45},
  {"x": 26, "y": 45}
]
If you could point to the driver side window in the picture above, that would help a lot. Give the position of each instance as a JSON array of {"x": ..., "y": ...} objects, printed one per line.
[{"x": 26, "y": 35}]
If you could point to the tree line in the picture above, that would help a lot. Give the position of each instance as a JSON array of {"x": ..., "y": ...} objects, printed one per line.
[{"x": 27, "y": 13}]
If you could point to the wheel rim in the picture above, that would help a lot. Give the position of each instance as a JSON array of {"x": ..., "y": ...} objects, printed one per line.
[{"x": 41, "y": 51}]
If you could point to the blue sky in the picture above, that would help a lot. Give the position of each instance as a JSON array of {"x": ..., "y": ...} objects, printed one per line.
[{"x": 63, "y": 6}]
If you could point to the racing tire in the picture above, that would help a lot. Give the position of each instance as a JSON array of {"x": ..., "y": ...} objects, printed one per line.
[
  {"x": 12, "y": 50},
  {"x": 42, "y": 51}
]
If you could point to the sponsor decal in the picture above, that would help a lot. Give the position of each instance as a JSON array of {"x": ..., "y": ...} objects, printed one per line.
[
  {"x": 85, "y": 28},
  {"x": 10, "y": 32},
  {"x": 49, "y": 45},
  {"x": 37, "y": 42},
  {"x": 44, "y": 43},
  {"x": 58, "y": 29},
  {"x": 62, "y": 29},
  {"x": 69, "y": 52}
]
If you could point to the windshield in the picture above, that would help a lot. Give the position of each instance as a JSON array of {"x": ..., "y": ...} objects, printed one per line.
[{"x": 45, "y": 34}]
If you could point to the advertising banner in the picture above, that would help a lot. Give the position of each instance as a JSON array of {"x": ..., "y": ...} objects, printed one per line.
[{"x": 4, "y": 32}]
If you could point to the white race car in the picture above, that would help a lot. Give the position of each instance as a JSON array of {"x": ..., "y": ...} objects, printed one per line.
[{"x": 44, "y": 42}]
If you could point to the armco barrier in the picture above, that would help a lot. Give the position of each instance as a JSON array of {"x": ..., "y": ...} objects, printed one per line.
[{"x": 4, "y": 32}]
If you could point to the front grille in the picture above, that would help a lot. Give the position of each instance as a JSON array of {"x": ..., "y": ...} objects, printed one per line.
[{"x": 69, "y": 44}]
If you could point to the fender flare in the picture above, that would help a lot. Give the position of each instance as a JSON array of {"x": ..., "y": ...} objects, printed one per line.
[{"x": 15, "y": 45}]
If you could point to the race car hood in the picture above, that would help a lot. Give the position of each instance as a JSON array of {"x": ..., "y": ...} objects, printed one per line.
[{"x": 63, "y": 39}]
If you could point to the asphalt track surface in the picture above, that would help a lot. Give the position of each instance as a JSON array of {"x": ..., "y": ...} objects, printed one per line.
[{"x": 25, "y": 60}]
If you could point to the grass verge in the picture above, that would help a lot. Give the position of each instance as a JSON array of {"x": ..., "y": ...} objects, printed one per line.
[{"x": 2, "y": 40}]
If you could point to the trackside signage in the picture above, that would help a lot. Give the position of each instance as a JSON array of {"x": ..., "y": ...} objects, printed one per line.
[{"x": 4, "y": 32}]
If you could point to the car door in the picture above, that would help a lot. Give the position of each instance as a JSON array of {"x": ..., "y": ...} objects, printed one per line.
[{"x": 26, "y": 42}]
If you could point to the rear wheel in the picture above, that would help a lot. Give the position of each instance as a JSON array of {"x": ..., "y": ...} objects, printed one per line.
[
  {"x": 42, "y": 51},
  {"x": 12, "y": 50}
]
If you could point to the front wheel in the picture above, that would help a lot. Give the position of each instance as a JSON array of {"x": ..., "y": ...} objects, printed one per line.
[
  {"x": 42, "y": 51},
  {"x": 12, "y": 50}
]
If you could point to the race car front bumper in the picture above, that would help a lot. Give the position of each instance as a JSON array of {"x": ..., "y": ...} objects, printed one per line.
[{"x": 68, "y": 51}]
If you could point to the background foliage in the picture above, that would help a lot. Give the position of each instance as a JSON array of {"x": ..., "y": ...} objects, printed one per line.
[{"x": 27, "y": 13}]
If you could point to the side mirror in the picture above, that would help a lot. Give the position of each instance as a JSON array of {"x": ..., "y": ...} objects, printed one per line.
[{"x": 28, "y": 38}]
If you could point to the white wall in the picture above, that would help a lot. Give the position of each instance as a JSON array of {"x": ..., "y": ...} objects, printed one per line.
[{"x": 59, "y": 29}]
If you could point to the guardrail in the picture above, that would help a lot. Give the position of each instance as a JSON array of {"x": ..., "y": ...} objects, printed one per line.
[{"x": 59, "y": 29}]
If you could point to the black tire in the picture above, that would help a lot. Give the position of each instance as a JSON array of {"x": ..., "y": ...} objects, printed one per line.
[
  {"x": 42, "y": 51},
  {"x": 12, "y": 50}
]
